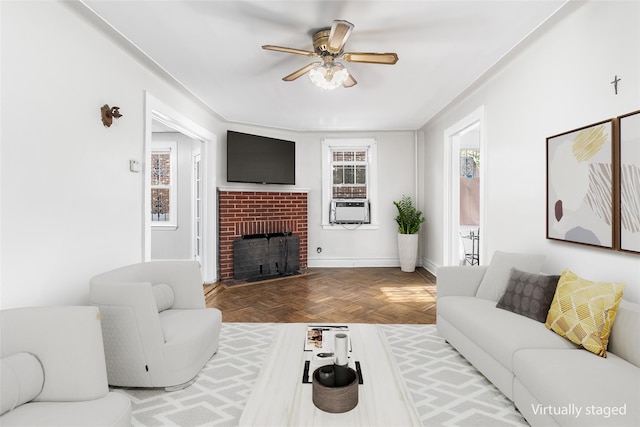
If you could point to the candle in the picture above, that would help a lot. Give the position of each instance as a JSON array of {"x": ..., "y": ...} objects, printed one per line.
[{"x": 341, "y": 349}]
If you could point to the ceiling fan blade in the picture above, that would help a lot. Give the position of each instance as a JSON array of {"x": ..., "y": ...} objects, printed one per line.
[
  {"x": 371, "y": 58},
  {"x": 289, "y": 50},
  {"x": 340, "y": 31},
  {"x": 350, "y": 81},
  {"x": 300, "y": 72}
]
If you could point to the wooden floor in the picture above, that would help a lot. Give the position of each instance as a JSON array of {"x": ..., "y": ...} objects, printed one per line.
[{"x": 340, "y": 295}]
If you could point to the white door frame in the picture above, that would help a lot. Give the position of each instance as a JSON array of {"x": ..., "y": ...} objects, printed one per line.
[
  {"x": 451, "y": 187},
  {"x": 159, "y": 111},
  {"x": 196, "y": 183}
]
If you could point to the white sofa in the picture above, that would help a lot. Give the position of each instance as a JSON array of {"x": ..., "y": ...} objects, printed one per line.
[
  {"x": 157, "y": 329},
  {"x": 550, "y": 380},
  {"x": 53, "y": 370}
]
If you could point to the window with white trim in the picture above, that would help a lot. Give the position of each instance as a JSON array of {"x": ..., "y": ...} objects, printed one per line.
[
  {"x": 349, "y": 172},
  {"x": 164, "y": 184}
]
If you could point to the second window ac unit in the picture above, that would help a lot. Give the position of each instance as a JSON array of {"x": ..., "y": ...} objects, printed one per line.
[{"x": 349, "y": 212}]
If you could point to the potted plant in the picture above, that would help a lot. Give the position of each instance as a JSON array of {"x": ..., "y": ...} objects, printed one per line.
[{"x": 409, "y": 220}]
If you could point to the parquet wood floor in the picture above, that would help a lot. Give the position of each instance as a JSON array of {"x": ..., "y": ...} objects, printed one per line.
[{"x": 337, "y": 295}]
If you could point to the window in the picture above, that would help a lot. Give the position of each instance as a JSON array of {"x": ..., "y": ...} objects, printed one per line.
[
  {"x": 163, "y": 184},
  {"x": 469, "y": 162},
  {"x": 349, "y": 172}
]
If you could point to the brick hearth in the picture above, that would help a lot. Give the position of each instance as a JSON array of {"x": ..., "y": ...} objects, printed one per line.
[{"x": 256, "y": 212}]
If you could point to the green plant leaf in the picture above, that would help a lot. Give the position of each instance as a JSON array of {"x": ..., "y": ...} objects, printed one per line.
[{"x": 409, "y": 218}]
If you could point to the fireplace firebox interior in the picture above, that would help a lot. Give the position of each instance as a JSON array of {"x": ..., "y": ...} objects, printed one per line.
[{"x": 266, "y": 256}]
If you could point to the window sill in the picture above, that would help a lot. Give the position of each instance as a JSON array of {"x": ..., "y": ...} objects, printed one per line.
[
  {"x": 164, "y": 227},
  {"x": 350, "y": 226}
]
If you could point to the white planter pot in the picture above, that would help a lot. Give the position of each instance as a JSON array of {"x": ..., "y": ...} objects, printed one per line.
[{"x": 408, "y": 251}]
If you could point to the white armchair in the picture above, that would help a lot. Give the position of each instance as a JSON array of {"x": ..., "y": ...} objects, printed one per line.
[
  {"x": 157, "y": 329},
  {"x": 53, "y": 370}
]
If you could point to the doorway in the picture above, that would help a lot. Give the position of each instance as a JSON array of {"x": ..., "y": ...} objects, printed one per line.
[
  {"x": 201, "y": 229},
  {"x": 464, "y": 191},
  {"x": 175, "y": 209}
]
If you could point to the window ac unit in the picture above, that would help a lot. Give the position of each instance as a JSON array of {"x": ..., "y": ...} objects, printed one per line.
[{"x": 349, "y": 212}]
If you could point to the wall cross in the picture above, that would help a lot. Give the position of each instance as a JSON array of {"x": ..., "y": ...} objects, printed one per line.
[{"x": 615, "y": 83}]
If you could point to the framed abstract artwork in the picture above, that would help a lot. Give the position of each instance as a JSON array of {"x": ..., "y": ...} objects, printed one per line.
[
  {"x": 580, "y": 186},
  {"x": 629, "y": 131}
]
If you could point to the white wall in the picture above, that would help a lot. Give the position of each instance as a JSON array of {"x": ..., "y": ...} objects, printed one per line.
[
  {"x": 340, "y": 247},
  {"x": 70, "y": 206},
  {"x": 556, "y": 81}
]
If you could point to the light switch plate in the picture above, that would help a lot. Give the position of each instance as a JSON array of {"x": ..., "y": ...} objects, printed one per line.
[{"x": 134, "y": 166}]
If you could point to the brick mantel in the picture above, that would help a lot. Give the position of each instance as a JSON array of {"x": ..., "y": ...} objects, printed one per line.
[{"x": 259, "y": 211}]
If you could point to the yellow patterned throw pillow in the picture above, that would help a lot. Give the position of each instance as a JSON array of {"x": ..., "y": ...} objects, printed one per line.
[{"x": 583, "y": 311}]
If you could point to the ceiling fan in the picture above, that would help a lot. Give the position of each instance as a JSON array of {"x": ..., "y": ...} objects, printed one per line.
[{"x": 328, "y": 44}]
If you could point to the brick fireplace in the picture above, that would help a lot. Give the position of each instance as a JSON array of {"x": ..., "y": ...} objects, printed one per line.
[{"x": 256, "y": 212}]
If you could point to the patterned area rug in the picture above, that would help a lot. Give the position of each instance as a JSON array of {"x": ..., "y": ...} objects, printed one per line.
[{"x": 446, "y": 389}]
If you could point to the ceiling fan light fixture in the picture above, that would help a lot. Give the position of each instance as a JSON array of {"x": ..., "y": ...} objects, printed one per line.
[{"x": 329, "y": 75}]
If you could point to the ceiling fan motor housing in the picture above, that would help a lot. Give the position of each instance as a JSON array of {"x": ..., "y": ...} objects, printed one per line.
[{"x": 321, "y": 43}]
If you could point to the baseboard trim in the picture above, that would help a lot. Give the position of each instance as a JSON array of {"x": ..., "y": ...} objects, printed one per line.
[
  {"x": 353, "y": 262},
  {"x": 368, "y": 262},
  {"x": 430, "y": 266}
]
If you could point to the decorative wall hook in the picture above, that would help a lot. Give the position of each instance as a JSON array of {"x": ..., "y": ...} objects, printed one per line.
[{"x": 108, "y": 114}]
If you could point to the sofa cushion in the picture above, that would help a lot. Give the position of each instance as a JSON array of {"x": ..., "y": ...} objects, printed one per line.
[
  {"x": 576, "y": 380},
  {"x": 529, "y": 294},
  {"x": 191, "y": 335},
  {"x": 163, "y": 295},
  {"x": 21, "y": 379},
  {"x": 623, "y": 340},
  {"x": 496, "y": 278},
  {"x": 112, "y": 410},
  {"x": 180, "y": 326},
  {"x": 584, "y": 311},
  {"x": 499, "y": 332}
]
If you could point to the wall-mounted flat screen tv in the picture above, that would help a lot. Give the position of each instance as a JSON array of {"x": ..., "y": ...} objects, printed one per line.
[{"x": 260, "y": 159}]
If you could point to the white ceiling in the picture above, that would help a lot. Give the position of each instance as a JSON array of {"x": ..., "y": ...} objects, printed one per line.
[{"x": 213, "y": 48}]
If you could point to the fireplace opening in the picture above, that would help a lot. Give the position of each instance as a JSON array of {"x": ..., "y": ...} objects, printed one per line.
[{"x": 265, "y": 256}]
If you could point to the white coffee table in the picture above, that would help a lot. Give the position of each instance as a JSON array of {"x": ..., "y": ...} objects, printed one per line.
[{"x": 279, "y": 397}]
